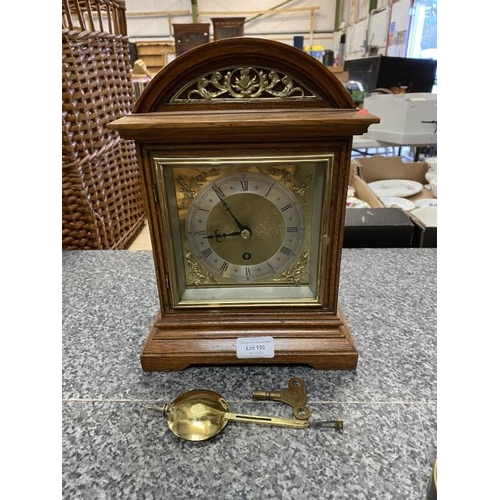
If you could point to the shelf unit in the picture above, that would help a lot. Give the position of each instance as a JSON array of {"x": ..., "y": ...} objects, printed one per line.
[{"x": 155, "y": 54}]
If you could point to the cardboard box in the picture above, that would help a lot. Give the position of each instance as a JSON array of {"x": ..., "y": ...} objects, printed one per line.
[
  {"x": 377, "y": 226},
  {"x": 425, "y": 221},
  {"x": 363, "y": 192},
  {"x": 339, "y": 72},
  {"x": 377, "y": 168},
  {"x": 405, "y": 119}
]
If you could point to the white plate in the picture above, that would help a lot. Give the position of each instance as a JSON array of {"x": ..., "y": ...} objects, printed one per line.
[
  {"x": 427, "y": 215},
  {"x": 396, "y": 187},
  {"x": 426, "y": 202},
  {"x": 394, "y": 201},
  {"x": 353, "y": 202}
]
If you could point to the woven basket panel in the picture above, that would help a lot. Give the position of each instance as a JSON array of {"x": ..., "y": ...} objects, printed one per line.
[
  {"x": 102, "y": 207},
  {"x": 96, "y": 89},
  {"x": 101, "y": 195}
]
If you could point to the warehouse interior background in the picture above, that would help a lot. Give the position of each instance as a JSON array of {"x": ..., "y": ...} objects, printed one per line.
[
  {"x": 341, "y": 34},
  {"x": 369, "y": 26},
  {"x": 467, "y": 40}
]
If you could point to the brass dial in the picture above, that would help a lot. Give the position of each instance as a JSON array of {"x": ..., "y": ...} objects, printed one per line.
[{"x": 245, "y": 226}]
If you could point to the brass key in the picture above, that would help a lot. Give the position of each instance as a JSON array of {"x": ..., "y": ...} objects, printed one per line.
[{"x": 295, "y": 396}]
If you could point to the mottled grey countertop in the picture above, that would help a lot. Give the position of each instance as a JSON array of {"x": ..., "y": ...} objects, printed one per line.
[{"x": 113, "y": 448}]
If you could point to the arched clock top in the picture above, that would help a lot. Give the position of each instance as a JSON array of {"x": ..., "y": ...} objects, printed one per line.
[{"x": 243, "y": 73}]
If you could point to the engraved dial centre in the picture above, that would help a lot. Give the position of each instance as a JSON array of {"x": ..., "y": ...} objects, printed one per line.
[{"x": 263, "y": 232}]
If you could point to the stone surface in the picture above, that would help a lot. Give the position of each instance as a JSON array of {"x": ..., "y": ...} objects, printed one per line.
[{"x": 114, "y": 448}]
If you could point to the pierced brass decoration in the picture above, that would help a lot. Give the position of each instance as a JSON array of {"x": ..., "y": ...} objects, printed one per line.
[
  {"x": 189, "y": 185},
  {"x": 292, "y": 275},
  {"x": 290, "y": 180},
  {"x": 243, "y": 83},
  {"x": 301, "y": 188},
  {"x": 200, "y": 276}
]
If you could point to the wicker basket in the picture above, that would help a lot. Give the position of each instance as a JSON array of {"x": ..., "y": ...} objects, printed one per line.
[{"x": 102, "y": 205}]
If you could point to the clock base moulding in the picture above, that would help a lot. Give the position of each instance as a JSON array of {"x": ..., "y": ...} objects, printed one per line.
[{"x": 173, "y": 345}]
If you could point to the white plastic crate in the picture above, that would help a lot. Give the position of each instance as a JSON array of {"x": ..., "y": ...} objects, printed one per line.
[{"x": 405, "y": 119}]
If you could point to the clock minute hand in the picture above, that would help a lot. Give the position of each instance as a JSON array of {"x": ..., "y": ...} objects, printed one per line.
[{"x": 228, "y": 208}]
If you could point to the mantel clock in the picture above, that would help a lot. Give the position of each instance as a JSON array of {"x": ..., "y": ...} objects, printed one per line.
[{"x": 244, "y": 148}]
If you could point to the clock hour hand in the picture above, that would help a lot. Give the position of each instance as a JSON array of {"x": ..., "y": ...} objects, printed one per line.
[{"x": 219, "y": 236}]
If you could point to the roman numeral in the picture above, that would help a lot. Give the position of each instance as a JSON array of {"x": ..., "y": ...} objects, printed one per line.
[
  {"x": 286, "y": 207},
  {"x": 218, "y": 191},
  {"x": 244, "y": 185},
  {"x": 224, "y": 266},
  {"x": 292, "y": 229},
  {"x": 286, "y": 250},
  {"x": 207, "y": 252}
]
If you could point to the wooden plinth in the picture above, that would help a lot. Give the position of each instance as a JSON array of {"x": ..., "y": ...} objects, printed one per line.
[{"x": 321, "y": 341}]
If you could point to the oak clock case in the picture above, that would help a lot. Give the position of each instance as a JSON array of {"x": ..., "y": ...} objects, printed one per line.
[
  {"x": 243, "y": 231},
  {"x": 244, "y": 150}
]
